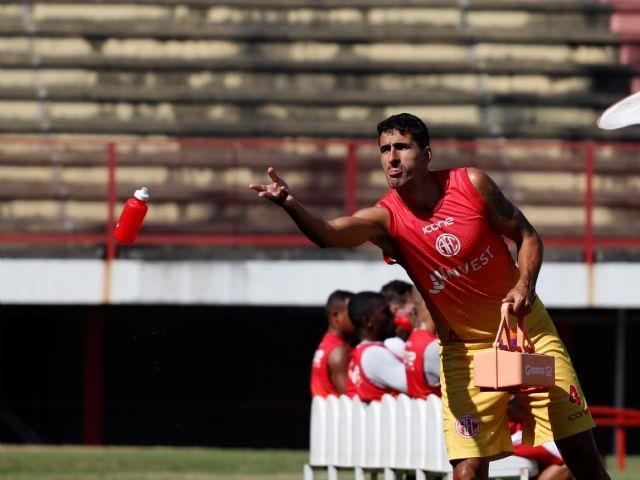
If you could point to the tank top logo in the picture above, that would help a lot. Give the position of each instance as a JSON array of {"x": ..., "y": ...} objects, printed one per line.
[
  {"x": 354, "y": 375},
  {"x": 409, "y": 358},
  {"x": 317, "y": 358},
  {"x": 448, "y": 244}
]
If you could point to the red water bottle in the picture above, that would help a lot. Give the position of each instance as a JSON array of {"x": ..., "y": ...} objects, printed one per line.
[{"x": 132, "y": 216}]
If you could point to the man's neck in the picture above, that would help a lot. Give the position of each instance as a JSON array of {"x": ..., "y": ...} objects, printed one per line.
[
  {"x": 335, "y": 332},
  {"x": 369, "y": 337},
  {"x": 423, "y": 194}
]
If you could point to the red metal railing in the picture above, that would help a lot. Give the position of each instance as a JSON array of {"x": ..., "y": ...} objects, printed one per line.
[
  {"x": 583, "y": 158},
  {"x": 619, "y": 419}
]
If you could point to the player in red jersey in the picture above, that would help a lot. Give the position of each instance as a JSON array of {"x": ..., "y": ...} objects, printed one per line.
[
  {"x": 421, "y": 356},
  {"x": 445, "y": 228},
  {"x": 373, "y": 369},
  {"x": 331, "y": 359}
]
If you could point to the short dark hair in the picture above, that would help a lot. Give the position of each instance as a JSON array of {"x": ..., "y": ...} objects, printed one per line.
[
  {"x": 361, "y": 304},
  {"x": 406, "y": 122},
  {"x": 336, "y": 299},
  {"x": 395, "y": 290}
]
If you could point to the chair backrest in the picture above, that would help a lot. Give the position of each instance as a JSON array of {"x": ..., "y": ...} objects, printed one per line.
[
  {"x": 358, "y": 418},
  {"x": 436, "y": 459},
  {"x": 333, "y": 429},
  {"x": 346, "y": 432},
  {"x": 318, "y": 434},
  {"x": 418, "y": 448},
  {"x": 404, "y": 432},
  {"x": 388, "y": 431},
  {"x": 372, "y": 436}
]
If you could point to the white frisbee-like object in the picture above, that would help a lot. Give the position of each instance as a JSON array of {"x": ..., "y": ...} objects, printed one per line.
[{"x": 621, "y": 114}]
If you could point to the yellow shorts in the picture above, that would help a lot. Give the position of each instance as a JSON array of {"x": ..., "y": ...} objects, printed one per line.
[{"x": 475, "y": 422}]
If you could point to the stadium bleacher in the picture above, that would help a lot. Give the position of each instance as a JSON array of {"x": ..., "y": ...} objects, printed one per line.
[
  {"x": 141, "y": 72},
  {"x": 308, "y": 68}
]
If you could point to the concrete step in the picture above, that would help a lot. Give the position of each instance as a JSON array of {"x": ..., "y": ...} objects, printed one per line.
[
  {"x": 569, "y": 62},
  {"x": 247, "y": 84},
  {"x": 305, "y": 96},
  {"x": 471, "y": 5},
  {"x": 554, "y": 34}
]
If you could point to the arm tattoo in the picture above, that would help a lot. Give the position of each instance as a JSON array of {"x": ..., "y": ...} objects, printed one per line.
[
  {"x": 505, "y": 209},
  {"x": 503, "y": 206}
]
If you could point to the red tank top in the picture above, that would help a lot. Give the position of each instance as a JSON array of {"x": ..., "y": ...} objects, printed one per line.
[
  {"x": 357, "y": 382},
  {"x": 321, "y": 384},
  {"x": 417, "y": 385},
  {"x": 460, "y": 265}
]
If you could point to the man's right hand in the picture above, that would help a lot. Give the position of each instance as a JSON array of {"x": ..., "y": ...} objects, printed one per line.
[
  {"x": 277, "y": 191},
  {"x": 368, "y": 224}
]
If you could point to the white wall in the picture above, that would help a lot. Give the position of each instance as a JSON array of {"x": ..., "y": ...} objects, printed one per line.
[{"x": 256, "y": 282}]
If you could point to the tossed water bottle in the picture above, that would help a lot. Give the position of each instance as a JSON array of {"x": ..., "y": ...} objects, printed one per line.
[{"x": 130, "y": 221}]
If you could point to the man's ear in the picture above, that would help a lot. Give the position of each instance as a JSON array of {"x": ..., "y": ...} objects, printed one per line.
[
  {"x": 428, "y": 152},
  {"x": 333, "y": 317}
]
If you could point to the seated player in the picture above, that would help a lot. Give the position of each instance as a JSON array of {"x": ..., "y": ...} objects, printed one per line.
[
  {"x": 373, "y": 370},
  {"x": 421, "y": 355},
  {"x": 331, "y": 359},
  {"x": 550, "y": 463}
]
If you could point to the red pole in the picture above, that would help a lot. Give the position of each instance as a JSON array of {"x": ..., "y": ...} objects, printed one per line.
[
  {"x": 589, "y": 169},
  {"x": 621, "y": 447},
  {"x": 93, "y": 379},
  {"x": 111, "y": 200},
  {"x": 351, "y": 181}
]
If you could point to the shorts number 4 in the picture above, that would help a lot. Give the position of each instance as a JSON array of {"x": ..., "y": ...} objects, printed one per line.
[{"x": 574, "y": 396}]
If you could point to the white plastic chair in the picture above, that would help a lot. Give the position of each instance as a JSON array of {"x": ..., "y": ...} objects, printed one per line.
[
  {"x": 387, "y": 431},
  {"x": 358, "y": 418},
  {"x": 388, "y": 435},
  {"x": 345, "y": 433},
  {"x": 318, "y": 434},
  {"x": 404, "y": 431},
  {"x": 372, "y": 436},
  {"x": 512, "y": 466},
  {"x": 417, "y": 449},
  {"x": 436, "y": 451},
  {"x": 333, "y": 430}
]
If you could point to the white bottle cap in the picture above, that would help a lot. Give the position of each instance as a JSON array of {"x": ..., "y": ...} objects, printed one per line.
[{"x": 142, "y": 194}]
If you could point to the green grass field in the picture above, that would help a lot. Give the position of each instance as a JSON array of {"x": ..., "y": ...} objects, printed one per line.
[{"x": 117, "y": 463}]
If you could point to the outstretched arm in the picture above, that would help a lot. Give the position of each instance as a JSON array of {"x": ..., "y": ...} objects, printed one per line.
[
  {"x": 369, "y": 224},
  {"x": 507, "y": 219}
]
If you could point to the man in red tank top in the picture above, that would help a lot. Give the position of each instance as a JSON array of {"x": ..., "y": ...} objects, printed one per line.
[
  {"x": 331, "y": 358},
  {"x": 421, "y": 356},
  {"x": 446, "y": 228},
  {"x": 373, "y": 369}
]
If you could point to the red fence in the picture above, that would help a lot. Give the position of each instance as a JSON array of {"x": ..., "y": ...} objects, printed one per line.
[
  {"x": 619, "y": 419},
  {"x": 350, "y": 164}
]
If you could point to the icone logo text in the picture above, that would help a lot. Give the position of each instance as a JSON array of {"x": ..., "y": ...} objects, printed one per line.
[
  {"x": 577, "y": 415},
  {"x": 434, "y": 227}
]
